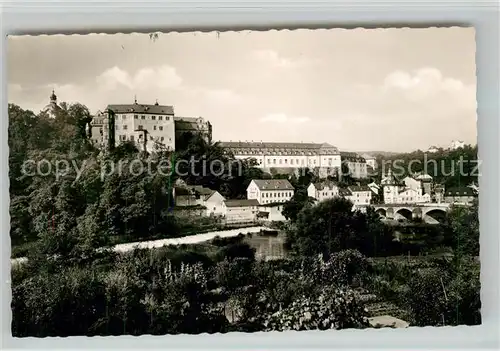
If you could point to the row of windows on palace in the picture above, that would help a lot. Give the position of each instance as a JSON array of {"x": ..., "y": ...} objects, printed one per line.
[
  {"x": 140, "y": 127},
  {"x": 273, "y": 161},
  {"x": 125, "y": 127},
  {"x": 313, "y": 161},
  {"x": 280, "y": 153},
  {"x": 131, "y": 138},
  {"x": 160, "y": 118}
]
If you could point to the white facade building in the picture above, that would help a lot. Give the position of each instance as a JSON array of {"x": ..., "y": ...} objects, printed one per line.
[
  {"x": 136, "y": 121},
  {"x": 408, "y": 196},
  {"x": 409, "y": 191},
  {"x": 269, "y": 155},
  {"x": 214, "y": 204},
  {"x": 420, "y": 190},
  {"x": 427, "y": 182},
  {"x": 356, "y": 165},
  {"x": 390, "y": 188},
  {"x": 413, "y": 183},
  {"x": 192, "y": 195},
  {"x": 323, "y": 191},
  {"x": 269, "y": 191},
  {"x": 460, "y": 195},
  {"x": 370, "y": 161},
  {"x": 271, "y": 213},
  {"x": 457, "y": 144},
  {"x": 240, "y": 211},
  {"x": 360, "y": 195},
  {"x": 161, "y": 126},
  {"x": 432, "y": 149}
]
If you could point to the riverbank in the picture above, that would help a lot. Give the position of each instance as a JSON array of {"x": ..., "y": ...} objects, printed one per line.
[{"x": 189, "y": 239}]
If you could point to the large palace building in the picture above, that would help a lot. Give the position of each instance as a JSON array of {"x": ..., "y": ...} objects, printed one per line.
[
  {"x": 153, "y": 127},
  {"x": 270, "y": 155}
]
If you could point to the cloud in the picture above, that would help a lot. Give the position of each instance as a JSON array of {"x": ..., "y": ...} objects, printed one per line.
[
  {"x": 425, "y": 93},
  {"x": 283, "y": 118},
  {"x": 273, "y": 58},
  {"x": 422, "y": 84},
  {"x": 411, "y": 109},
  {"x": 163, "y": 77}
]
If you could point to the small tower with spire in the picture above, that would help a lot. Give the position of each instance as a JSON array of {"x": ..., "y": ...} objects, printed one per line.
[
  {"x": 53, "y": 97},
  {"x": 52, "y": 108},
  {"x": 389, "y": 188}
]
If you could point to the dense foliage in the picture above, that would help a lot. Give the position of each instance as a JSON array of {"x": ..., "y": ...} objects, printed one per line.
[
  {"x": 432, "y": 292},
  {"x": 156, "y": 292},
  {"x": 331, "y": 226},
  {"x": 74, "y": 284},
  {"x": 62, "y": 187},
  {"x": 452, "y": 168}
]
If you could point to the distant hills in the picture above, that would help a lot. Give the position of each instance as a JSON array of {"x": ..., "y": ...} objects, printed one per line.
[{"x": 381, "y": 153}]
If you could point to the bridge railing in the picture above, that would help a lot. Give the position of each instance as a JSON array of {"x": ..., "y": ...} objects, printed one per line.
[
  {"x": 442, "y": 204},
  {"x": 422, "y": 204}
]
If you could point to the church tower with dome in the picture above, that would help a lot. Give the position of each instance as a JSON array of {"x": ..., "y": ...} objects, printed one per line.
[{"x": 52, "y": 108}]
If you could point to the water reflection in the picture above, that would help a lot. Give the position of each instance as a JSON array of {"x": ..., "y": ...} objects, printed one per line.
[{"x": 267, "y": 247}]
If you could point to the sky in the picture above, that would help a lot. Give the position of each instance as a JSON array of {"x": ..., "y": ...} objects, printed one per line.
[{"x": 357, "y": 89}]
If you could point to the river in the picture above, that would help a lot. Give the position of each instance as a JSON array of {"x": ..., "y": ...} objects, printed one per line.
[{"x": 190, "y": 239}]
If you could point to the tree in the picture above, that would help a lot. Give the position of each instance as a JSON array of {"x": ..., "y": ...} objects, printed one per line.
[
  {"x": 328, "y": 227},
  {"x": 463, "y": 229},
  {"x": 374, "y": 237},
  {"x": 299, "y": 200},
  {"x": 346, "y": 178},
  {"x": 79, "y": 115},
  {"x": 443, "y": 165},
  {"x": 443, "y": 295}
]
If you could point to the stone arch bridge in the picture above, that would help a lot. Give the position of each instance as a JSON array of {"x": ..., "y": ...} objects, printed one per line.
[{"x": 430, "y": 212}]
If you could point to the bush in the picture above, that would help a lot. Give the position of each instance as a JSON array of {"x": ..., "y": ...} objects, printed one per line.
[{"x": 333, "y": 309}]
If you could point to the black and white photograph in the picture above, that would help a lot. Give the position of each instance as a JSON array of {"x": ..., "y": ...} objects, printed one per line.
[{"x": 243, "y": 181}]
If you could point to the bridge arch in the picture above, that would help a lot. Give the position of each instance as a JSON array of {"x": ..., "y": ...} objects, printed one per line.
[
  {"x": 381, "y": 211},
  {"x": 405, "y": 212},
  {"x": 438, "y": 214}
]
